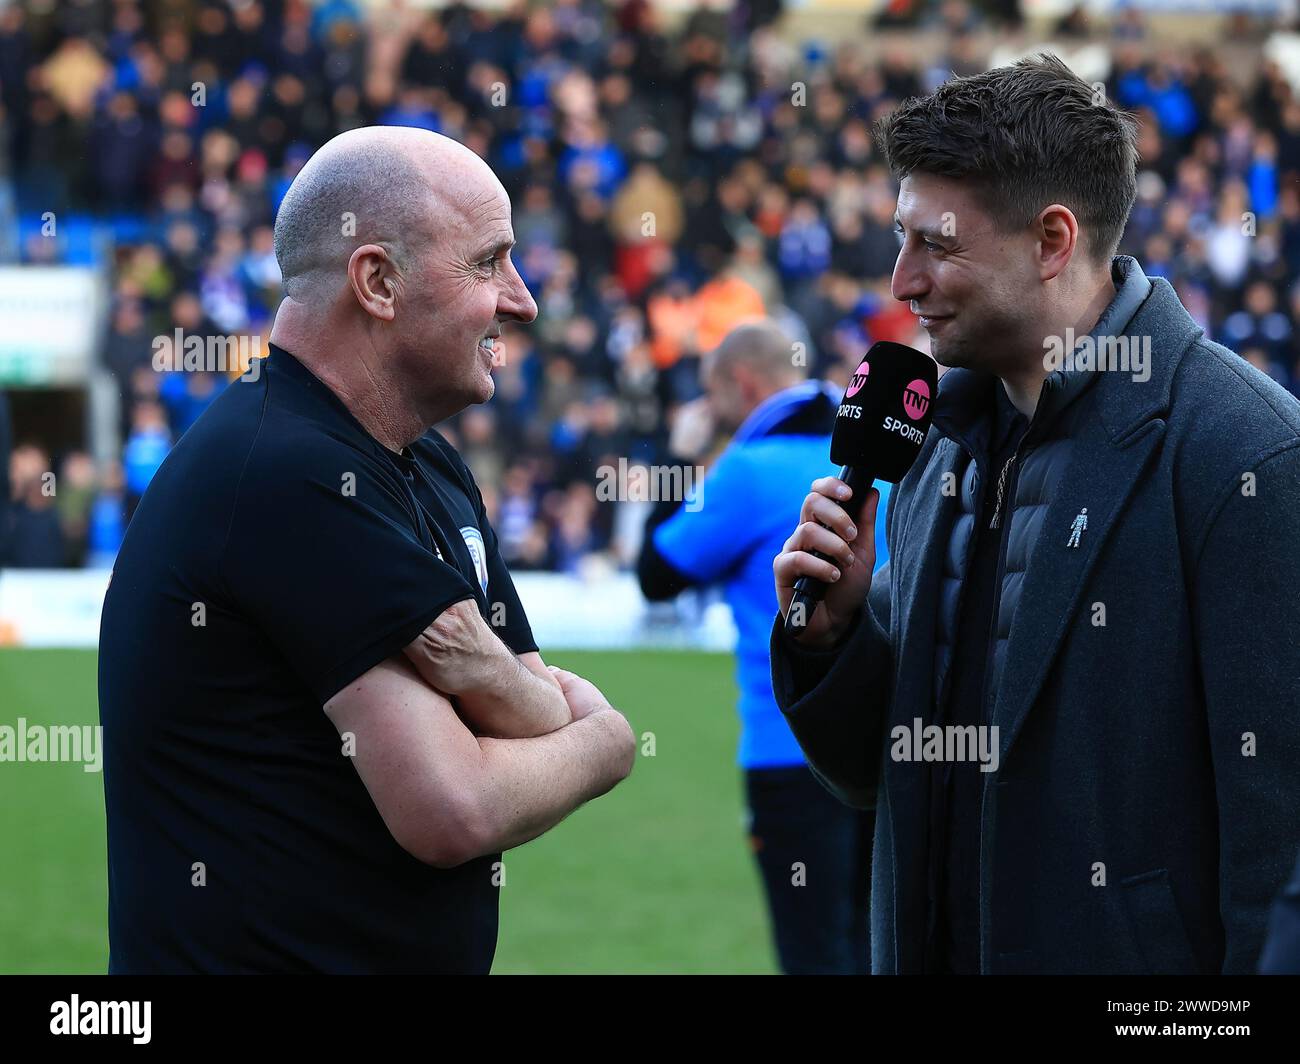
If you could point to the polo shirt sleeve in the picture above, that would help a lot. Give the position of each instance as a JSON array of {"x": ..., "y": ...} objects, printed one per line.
[
  {"x": 714, "y": 530},
  {"x": 328, "y": 555}
]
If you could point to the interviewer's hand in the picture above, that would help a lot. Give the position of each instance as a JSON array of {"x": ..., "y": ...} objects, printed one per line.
[{"x": 852, "y": 547}]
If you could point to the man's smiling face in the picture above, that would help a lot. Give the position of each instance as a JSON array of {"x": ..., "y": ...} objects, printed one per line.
[
  {"x": 465, "y": 288},
  {"x": 972, "y": 284}
]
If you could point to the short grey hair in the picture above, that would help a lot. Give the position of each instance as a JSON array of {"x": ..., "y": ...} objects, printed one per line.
[
  {"x": 349, "y": 194},
  {"x": 764, "y": 345}
]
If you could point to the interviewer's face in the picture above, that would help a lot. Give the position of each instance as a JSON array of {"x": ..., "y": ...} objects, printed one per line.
[
  {"x": 466, "y": 288},
  {"x": 973, "y": 285}
]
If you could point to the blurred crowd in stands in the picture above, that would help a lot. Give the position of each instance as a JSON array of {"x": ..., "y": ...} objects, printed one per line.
[{"x": 667, "y": 185}]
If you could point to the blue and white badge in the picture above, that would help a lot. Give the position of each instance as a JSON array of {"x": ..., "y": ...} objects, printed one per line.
[{"x": 478, "y": 551}]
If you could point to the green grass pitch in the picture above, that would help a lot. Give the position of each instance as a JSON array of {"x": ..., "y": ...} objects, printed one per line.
[{"x": 654, "y": 877}]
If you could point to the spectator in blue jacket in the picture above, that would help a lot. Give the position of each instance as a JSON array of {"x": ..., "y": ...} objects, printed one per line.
[
  {"x": 146, "y": 447},
  {"x": 814, "y": 854}
]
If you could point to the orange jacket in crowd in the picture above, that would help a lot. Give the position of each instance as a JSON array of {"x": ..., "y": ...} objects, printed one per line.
[{"x": 698, "y": 323}]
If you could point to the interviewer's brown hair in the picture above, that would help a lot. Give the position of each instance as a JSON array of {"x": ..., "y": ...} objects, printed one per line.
[{"x": 1024, "y": 135}]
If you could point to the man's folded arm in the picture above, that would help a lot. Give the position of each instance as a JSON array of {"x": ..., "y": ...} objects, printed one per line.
[
  {"x": 497, "y": 693},
  {"x": 836, "y": 701},
  {"x": 448, "y": 796}
]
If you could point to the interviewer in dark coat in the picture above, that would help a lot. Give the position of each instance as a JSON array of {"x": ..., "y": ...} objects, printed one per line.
[{"x": 1136, "y": 638}]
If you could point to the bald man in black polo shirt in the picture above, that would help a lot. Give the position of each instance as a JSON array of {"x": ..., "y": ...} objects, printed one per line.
[{"x": 324, "y": 712}]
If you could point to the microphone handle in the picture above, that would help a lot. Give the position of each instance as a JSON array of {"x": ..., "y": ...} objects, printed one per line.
[{"x": 808, "y": 590}]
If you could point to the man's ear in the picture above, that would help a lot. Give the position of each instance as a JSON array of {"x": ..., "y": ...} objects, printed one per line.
[
  {"x": 373, "y": 276},
  {"x": 1058, "y": 237},
  {"x": 747, "y": 383}
]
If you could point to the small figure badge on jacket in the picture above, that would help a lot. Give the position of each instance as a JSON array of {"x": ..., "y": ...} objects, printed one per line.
[{"x": 1077, "y": 529}]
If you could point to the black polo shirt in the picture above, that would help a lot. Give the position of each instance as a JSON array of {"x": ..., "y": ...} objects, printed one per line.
[{"x": 279, "y": 553}]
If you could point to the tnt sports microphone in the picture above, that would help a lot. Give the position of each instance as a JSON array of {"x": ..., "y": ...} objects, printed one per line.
[{"x": 878, "y": 433}]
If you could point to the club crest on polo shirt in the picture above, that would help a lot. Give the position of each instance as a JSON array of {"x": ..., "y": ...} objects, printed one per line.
[{"x": 478, "y": 551}]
